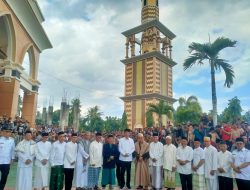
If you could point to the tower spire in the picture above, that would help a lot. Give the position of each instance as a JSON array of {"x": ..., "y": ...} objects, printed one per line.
[{"x": 150, "y": 10}]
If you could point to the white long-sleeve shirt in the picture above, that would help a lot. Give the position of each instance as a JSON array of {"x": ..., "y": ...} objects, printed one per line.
[
  {"x": 184, "y": 154},
  {"x": 57, "y": 154},
  {"x": 211, "y": 161},
  {"x": 156, "y": 151},
  {"x": 42, "y": 152},
  {"x": 225, "y": 159},
  {"x": 241, "y": 157},
  {"x": 7, "y": 150},
  {"x": 95, "y": 154},
  {"x": 126, "y": 146},
  {"x": 199, "y": 154},
  {"x": 25, "y": 151},
  {"x": 169, "y": 156},
  {"x": 70, "y": 154}
]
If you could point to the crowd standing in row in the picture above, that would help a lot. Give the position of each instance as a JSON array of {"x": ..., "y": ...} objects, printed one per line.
[{"x": 155, "y": 164}]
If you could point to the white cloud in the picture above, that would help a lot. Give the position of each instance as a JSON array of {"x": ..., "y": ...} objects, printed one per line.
[{"x": 87, "y": 45}]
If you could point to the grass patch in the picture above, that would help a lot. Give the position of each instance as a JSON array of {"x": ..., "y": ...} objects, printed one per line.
[{"x": 11, "y": 182}]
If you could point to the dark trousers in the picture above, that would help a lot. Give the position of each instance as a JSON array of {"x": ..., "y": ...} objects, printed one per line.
[
  {"x": 69, "y": 175},
  {"x": 4, "y": 169},
  {"x": 118, "y": 172},
  {"x": 56, "y": 178},
  {"x": 243, "y": 184},
  {"x": 186, "y": 182},
  {"x": 125, "y": 167},
  {"x": 225, "y": 183}
]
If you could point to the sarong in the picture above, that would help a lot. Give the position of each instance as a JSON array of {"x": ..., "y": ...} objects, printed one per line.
[
  {"x": 108, "y": 176},
  {"x": 169, "y": 179},
  {"x": 156, "y": 177},
  {"x": 56, "y": 178},
  {"x": 41, "y": 177},
  {"x": 93, "y": 177},
  {"x": 199, "y": 182}
]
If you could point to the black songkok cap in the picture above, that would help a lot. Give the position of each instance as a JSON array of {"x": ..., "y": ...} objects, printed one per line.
[
  {"x": 127, "y": 130},
  {"x": 155, "y": 134},
  {"x": 44, "y": 134},
  {"x": 28, "y": 131},
  {"x": 74, "y": 135},
  {"x": 98, "y": 134},
  {"x": 110, "y": 135},
  {"x": 223, "y": 142},
  {"x": 60, "y": 133},
  {"x": 196, "y": 139},
  {"x": 184, "y": 138},
  {"x": 239, "y": 140}
]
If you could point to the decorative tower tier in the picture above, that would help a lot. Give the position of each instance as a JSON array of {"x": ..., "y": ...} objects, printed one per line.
[{"x": 148, "y": 66}]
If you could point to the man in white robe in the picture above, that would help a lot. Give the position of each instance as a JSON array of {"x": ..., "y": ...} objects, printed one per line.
[
  {"x": 42, "y": 154},
  {"x": 81, "y": 173},
  {"x": 69, "y": 161},
  {"x": 95, "y": 161},
  {"x": 156, "y": 162},
  {"x": 57, "y": 161},
  {"x": 225, "y": 172},
  {"x": 26, "y": 153},
  {"x": 184, "y": 157},
  {"x": 198, "y": 166},
  {"x": 169, "y": 164},
  {"x": 211, "y": 163}
]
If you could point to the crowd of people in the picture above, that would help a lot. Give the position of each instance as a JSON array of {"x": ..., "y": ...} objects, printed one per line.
[{"x": 203, "y": 156}]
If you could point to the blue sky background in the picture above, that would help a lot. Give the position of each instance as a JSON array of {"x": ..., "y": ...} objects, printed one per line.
[{"x": 88, "y": 47}]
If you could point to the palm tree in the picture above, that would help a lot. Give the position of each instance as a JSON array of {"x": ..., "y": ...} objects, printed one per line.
[
  {"x": 188, "y": 110},
  {"x": 210, "y": 52},
  {"x": 162, "y": 108}
]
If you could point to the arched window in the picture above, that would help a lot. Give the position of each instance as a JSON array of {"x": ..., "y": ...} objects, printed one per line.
[{"x": 145, "y": 2}]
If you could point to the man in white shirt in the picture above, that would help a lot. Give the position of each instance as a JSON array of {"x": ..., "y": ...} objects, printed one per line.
[
  {"x": 126, "y": 148},
  {"x": 241, "y": 165},
  {"x": 211, "y": 162},
  {"x": 184, "y": 156},
  {"x": 7, "y": 154},
  {"x": 225, "y": 160},
  {"x": 26, "y": 153},
  {"x": 95, "y": 161},
  {"x": 69, "y": 161},
  {"x": 156, "y": 162},
  {"x": 198, "y": 166},
  {"x": 57, "y": 161},
  {"x": 42, "y": 154},
  {"x": 169, "y": 163},
  {"x": 81, "y": 174}
]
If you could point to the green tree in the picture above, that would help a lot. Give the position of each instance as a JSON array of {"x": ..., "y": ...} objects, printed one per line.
[
  {"x": 189, "y": 110},
  {"x": 246, "y": 117},
  {"x": 210, "y": 52},
  {"x": 149, "y": 119},
  {"x": 124, "y": 122},
  {"x": 38, "y": 118},
  {"x": 56, "y": 117},
  {"x": 112, "y": 124},
  {"x": 162, "y": 108},
  {"x": 232, "y": 113},
  {"x": 93, "y": 119}
]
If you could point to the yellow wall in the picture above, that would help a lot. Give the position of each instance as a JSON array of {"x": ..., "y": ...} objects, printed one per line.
[
  {"x": 164, "y": 79},
  {"x": 139, "y": 78},
  {"x": 138, "y": 112}
]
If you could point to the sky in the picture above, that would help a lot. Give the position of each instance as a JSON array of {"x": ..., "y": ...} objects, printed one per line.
[{"x": 88, "y": 46}]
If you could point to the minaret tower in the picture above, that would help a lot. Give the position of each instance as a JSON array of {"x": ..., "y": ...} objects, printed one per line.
[{"x": 148, "y": 65}]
